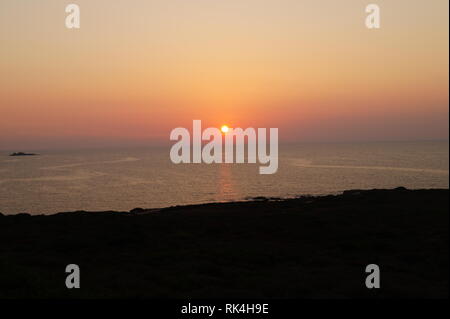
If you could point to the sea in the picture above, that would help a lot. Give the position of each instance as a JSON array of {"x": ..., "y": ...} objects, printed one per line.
[{"x": 123, "y": 179}]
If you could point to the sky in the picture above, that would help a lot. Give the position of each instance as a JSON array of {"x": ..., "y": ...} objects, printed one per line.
[{"x": 136, "y": 69}]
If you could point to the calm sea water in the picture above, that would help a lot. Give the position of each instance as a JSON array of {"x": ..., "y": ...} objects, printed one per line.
[{"x": 124, "y": 179}]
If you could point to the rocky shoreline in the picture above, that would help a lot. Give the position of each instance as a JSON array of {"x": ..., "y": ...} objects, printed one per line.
[{"x": 308, "y": 247}]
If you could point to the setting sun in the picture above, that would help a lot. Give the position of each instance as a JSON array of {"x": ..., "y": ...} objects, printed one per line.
[{"x": 224, "y": 129}]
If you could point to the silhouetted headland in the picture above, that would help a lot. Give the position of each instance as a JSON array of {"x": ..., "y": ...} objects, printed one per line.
[{"x": 306, "y": 247}]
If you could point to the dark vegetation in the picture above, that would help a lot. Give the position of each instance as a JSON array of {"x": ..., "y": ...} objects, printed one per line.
[{"x": 310, "y": 247}]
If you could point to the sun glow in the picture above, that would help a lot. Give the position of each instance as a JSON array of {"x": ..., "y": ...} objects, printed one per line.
[{"x": 224, "y": 129}]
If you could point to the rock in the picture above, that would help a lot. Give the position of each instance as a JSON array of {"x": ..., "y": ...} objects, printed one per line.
[
  {"x": 260, "y": 199},
  {"x": 353, "y": 192},
  {"x": 21, "y": 215},
  {"x": 22, "y": 154},
  {"x": 137, "y": 210}
]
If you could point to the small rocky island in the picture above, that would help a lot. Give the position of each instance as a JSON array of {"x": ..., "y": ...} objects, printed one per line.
[{"x": 22, "y": 154}]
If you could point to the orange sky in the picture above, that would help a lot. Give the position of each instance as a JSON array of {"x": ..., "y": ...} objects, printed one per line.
[{"x": 137, "y": 69}]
